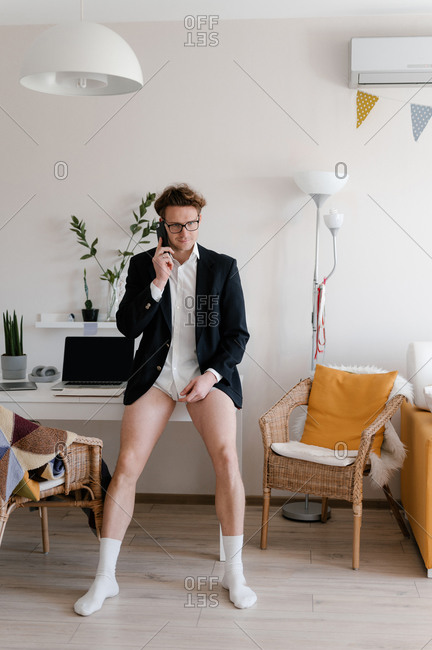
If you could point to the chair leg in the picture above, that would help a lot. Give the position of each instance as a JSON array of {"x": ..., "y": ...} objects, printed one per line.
[
  {"x": 222, "y": 556},
  {"x": 98, "y": 512},
  {"x": 45, "y": 532},
  {"x": 396, "y": 511},
  {"x": 324, "y": 509},
  {"x": 357, "y": 511},
  {"x": 2, "y": 528},
  {"x": 265, "y": 517},
  {"x": 5, "y": 511}
]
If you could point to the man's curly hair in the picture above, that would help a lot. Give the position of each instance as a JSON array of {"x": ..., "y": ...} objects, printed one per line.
[{"x": 180, "y": 195}]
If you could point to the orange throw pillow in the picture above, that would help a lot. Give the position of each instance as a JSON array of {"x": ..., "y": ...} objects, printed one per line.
[{"x": 342, "y": 404}]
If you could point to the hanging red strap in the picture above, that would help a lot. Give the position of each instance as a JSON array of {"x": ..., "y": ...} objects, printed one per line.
[{"x": 320, "y": 311}]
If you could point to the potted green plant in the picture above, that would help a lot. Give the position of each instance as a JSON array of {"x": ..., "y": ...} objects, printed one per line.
[
  {"x": 13, "y": 361},
  {"x": 140, "y": 229},
  {"x": 88, "y": 314}
]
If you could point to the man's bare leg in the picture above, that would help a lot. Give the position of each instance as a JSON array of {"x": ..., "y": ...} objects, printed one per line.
[
  {"x": 215, "y": 418},
  {"x": 142, "y": 425}
]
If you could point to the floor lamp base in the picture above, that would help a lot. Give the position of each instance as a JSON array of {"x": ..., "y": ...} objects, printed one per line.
[{"x": 304, "y": 511}]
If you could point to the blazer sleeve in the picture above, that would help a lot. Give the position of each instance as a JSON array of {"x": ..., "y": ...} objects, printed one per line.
[
  {"x": 233, "y": 330},
  {"x": 137, "y": 309}
]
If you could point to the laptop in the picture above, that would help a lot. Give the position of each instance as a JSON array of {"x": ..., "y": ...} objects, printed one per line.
[{"x": 95, "y": 366}]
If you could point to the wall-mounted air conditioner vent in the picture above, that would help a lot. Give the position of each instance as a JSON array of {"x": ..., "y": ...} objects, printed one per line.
[{"x": 391, "y": 61}]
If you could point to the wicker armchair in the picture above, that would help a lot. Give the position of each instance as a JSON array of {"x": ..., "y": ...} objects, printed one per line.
[
  {"x": 81, "y": 487},
  {"x": 314, "y": 478}
]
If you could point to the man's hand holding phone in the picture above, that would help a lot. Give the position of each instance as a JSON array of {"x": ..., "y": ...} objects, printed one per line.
[{"x": 162, "y": 259}]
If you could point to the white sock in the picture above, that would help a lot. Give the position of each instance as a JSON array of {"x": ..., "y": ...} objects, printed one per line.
[
  {"x": 240, "y": 594},
  {"x": 104, "y": 585}
]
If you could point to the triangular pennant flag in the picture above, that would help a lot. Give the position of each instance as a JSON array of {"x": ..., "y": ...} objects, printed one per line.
[
  {"x": 365, "y": 104},
  {"x": 420, "y": 116}
]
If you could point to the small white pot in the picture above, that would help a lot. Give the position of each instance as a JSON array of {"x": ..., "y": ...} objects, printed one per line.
[{"x": 14, "y": 367}]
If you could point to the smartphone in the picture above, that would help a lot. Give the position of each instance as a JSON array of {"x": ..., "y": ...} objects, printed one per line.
[{"x": 161, "y": 231}]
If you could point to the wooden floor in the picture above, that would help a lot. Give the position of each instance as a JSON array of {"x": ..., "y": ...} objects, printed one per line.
[{"x": 170, "y": 592}]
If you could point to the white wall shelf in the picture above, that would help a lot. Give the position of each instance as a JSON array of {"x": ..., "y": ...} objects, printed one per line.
[
  {"x": 74, "y": 324},
  {"x": 60, "y": 321}
]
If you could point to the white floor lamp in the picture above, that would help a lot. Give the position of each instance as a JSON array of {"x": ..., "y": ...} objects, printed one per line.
[{"x": 320, "y": 186}]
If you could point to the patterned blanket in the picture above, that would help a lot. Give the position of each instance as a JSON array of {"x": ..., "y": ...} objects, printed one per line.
[{"x": 25, "y": 445}]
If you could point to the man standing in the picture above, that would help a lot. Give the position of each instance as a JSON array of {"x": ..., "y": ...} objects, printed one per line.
[{"x": 187, "y": 302}]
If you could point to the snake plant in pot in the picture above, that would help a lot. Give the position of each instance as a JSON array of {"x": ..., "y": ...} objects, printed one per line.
[
  {"x": 89, "y": 313},
  {"x": 14, "y": 361}
]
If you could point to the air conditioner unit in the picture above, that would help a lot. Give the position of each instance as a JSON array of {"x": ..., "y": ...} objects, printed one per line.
[{"x": 391, "y": 61}]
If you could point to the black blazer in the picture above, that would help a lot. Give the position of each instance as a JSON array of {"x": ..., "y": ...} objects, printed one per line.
[{"x": 220, "y": 322}]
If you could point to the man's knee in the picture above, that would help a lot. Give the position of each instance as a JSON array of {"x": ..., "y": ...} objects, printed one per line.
[
  {"x": 226, "y": 462},
  {"x": 127, "y": 471}
]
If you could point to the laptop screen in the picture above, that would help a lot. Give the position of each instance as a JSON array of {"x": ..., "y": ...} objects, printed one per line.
[{"x": 97, "y": 358}]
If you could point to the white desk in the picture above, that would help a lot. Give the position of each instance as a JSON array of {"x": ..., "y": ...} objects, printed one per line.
[{"x": 44, "y": 404}]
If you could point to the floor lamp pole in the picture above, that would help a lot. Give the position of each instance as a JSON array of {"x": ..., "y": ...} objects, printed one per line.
[
  {"x": 319, "y": 185},
  {"x": 315, "y": 284},
  {"x": 307, "y": 510},
  {"x": 319, "y": 200}
]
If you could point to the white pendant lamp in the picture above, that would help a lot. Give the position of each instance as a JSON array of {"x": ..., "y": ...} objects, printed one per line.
[{"x": 81, "y": 59}]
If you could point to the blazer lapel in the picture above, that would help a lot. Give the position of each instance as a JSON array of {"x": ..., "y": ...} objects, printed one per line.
[{"x": 203, "y": 285}]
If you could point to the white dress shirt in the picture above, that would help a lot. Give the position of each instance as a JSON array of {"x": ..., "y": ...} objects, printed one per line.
[{"x": 181, "y": 365}]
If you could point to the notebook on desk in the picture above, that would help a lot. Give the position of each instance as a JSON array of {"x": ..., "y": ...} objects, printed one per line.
[
  {"x": 95, "y": 366},
  {"x": 17, "y": 385}
]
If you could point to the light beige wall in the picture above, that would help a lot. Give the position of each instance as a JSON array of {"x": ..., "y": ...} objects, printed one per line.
[{"x": 224, "y": 119}]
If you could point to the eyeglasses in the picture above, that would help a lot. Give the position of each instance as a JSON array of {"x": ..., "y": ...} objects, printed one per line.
[{"x": 178, "y": 227}]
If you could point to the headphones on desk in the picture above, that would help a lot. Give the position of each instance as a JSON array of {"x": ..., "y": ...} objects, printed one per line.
[{"x": 44, "y": 374}]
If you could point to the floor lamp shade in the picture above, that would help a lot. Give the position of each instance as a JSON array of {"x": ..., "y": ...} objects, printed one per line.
[
  {"x": 319, "y": 182},
  {"x": 81, "y": 59}
]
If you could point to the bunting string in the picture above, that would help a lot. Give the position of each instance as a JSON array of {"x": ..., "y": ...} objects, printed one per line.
[{"x": 420, "y": 113}]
